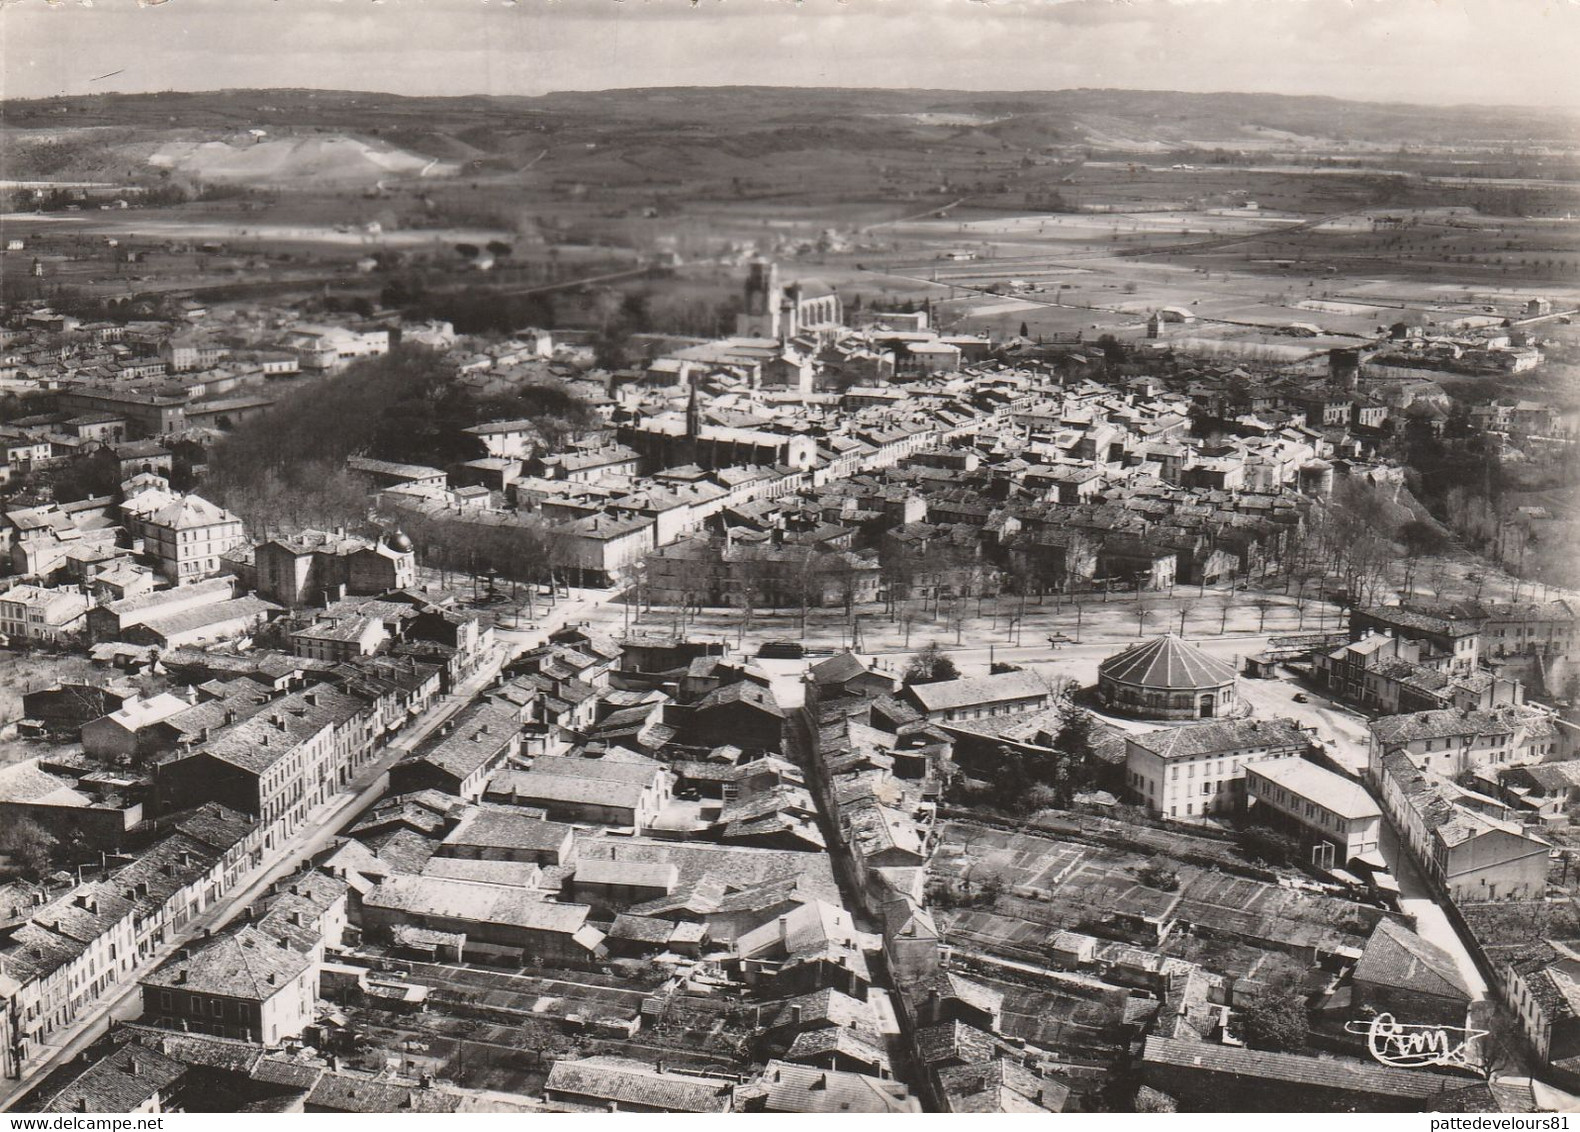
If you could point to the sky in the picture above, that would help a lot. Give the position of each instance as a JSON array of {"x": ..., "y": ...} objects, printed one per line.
[{"x": 1515, "y": 52}]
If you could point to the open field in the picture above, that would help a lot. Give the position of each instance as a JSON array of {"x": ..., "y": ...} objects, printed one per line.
[{"x": 1245, "y": 209}]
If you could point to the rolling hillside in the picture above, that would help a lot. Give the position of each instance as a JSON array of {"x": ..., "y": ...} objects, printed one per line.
[{"x": 317, "y": 137}]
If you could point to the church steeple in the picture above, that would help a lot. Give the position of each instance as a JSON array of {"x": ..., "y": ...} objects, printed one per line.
[{"x": 693, "y": 420}]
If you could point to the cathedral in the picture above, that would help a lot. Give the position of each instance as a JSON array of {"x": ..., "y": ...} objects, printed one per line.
[{"x": 772, "y": 311}]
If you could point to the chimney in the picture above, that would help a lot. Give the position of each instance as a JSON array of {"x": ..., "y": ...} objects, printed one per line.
[
  {"x": 795, "y": 1015},
  {"x": 131, "y": 1067}
]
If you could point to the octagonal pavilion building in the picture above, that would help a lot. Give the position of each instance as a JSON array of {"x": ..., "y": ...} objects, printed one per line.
[{"x": 1167, "y": 678}]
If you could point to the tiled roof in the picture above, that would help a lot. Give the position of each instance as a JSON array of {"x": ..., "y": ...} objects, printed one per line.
[
  {"x": 1221, "y": 736},
  {"x": 787, "y": 1087},
  {"x": 246, "y": 964},
  {"x": 1332, "y": 791},
  {"x": 1166, "y": 662},
  {"x": 834, "y": 1040},
  {"x": 480, "y": 733},
  {"x": 948, "y": 695},
  {"x": 507, "y": 828},
  {"x": 461, "y": 901},
  {"x": 1396, "y": 957},
  {"x": 605, "y": 1080},
  {"x": 121, "y": 1082},
  {"x": 1341, "y": 1074}
]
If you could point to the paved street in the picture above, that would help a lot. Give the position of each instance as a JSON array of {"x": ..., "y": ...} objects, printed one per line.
[
  {"x": 125, "y": 1004},
  {"x": 1431, "y": 923}
]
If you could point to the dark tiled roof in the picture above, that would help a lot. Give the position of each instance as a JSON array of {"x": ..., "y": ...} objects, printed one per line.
[
  {"x": 1342, "y": 1074},
  {"x": 1166, "y": 662},
  {"x": 120, "y": 1082},
  {"x": 1398, "y": 958}
]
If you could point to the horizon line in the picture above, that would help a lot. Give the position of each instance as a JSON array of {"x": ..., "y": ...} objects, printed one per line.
[{"x": 1554, "y": 108}]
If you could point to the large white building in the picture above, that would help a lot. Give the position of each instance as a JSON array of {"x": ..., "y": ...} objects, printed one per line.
[
  {"x": 1337, "y": 819},
  {"x": 325, "y": 347},
  {"x": 186, "y": 537},
  {"x": 1192, "y": 771},
  {"x": 38, "y": 614}
]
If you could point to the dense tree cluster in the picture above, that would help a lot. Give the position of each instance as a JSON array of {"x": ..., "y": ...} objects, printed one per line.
[
  {"x": 285, "y": 469},
  {"x": 1276, "y": 1018},
  {"x": 1025, "y": 781},
  {"x": 930, "y": 665}
]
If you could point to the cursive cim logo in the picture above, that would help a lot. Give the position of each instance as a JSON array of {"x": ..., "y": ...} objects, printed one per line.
[{"x": 1408, "y": 1046}]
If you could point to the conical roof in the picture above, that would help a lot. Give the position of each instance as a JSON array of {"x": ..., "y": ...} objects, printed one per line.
[{"x": 1166, "y": 662}]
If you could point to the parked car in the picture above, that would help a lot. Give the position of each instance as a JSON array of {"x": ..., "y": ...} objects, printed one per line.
[{"x": 1302, "y": 698}]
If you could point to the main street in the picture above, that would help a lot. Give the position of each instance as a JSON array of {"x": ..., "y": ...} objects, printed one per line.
[{"x": 124, "y": 1002}]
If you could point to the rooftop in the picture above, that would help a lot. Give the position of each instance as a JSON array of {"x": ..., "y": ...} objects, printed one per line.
[
  {"x": 1166, "y": 662},
  {"x": 244, "y": 964},
  {"x": 948, "y": 695},
  {"x": 1333, "y": 792}
]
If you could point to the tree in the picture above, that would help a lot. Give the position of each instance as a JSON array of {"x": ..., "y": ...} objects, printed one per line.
[
  {"x": 1275, "y": 1022},
  {"x": 286, "y": 468},
  {"x": 87, "y": 476},
  {"x": 930, "y": 666},
  {"x": 29, "y": 846},
  {"x": 1276, "y": 1018},
  {"x": 1149, "y": 1099},
  {"x": 1266, "y": 844},
  {"x": 1160, "y": 877}
]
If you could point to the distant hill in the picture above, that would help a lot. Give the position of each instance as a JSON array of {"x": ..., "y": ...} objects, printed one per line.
[{"x": 625, "y": 134}]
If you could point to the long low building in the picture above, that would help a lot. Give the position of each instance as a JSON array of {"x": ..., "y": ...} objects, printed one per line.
[
  {"x": 981, "y": 697},
  {"x": 1335, "y": 816},
  {"x": 203, "y": 625},
  {"x": 509, "y": 920},
  {"x": 1210, "y": 1076}
]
